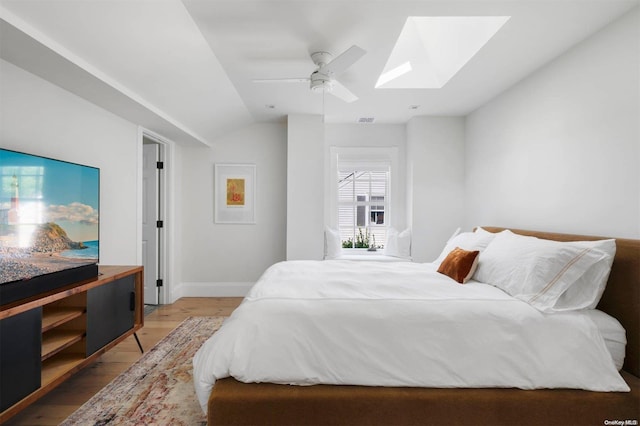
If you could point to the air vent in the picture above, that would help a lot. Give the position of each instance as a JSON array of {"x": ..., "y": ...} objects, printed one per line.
[{"x": 366, "y": 119}]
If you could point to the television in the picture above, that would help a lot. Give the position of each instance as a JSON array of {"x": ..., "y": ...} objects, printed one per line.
[{"x": 49, "y": 224}]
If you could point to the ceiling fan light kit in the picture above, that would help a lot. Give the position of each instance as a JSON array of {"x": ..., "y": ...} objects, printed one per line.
[{"x": 322, "y": 80}]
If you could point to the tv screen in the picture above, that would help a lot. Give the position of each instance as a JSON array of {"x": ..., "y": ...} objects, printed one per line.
[{"x": 49, "y": 220}]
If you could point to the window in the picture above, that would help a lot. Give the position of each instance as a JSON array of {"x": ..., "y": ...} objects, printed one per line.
[{"x": 362, "y": 203}]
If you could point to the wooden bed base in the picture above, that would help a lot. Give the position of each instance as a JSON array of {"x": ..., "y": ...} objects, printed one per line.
[{"x": 235, "y": 403}]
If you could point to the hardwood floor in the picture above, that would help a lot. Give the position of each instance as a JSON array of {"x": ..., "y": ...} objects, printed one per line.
[{"x": 70, "y": 395}]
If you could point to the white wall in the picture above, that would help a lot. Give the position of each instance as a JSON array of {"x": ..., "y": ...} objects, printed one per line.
[
  {"x": 305, "y": 187},
  {"x": 225, "y": 259},
  {"x": 561, "y": 150},
  {"x": 435, "y": 182},
  {"x": 40, "y": 118}
]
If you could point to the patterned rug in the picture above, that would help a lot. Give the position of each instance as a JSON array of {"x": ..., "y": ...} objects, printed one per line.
[{"x": 158, "y": 388}]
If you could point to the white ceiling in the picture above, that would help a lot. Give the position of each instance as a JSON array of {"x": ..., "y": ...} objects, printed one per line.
[{"x": 185, "y": 68}]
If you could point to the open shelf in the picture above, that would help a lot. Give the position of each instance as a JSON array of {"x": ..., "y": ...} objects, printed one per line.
[
  {"x": 52, "y": 317},
  {"x": 55, "y": 341},
  {"x": 57, "y": 366}
]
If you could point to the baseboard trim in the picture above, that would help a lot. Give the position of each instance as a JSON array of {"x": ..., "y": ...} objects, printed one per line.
[{"x": 211, "y": 289}]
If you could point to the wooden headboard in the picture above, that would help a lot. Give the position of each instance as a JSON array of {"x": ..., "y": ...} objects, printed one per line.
[{"x": 621, "y": 298}]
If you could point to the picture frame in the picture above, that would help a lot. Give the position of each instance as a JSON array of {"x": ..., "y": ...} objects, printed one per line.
[{"x": 235, "y": 193}]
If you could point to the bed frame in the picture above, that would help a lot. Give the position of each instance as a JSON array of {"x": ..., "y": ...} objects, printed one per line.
[{"x": 235, "y": 403}]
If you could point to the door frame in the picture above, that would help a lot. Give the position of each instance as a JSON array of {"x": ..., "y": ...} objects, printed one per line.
[
  {"x": 151, "y": 234},
  {"x": 166, "y": 211}
]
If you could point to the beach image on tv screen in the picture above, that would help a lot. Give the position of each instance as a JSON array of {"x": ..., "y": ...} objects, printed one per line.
[{"x": 48, "y": 215}]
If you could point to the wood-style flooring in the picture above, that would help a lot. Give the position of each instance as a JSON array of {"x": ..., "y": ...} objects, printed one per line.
[{"x": 58, "y": 404}]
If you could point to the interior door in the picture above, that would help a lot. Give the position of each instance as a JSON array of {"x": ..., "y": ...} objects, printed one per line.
[{"x": 150, "y": 184}]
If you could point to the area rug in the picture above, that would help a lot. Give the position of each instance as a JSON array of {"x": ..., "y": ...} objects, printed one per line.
[{"x": 158, "y": 388}]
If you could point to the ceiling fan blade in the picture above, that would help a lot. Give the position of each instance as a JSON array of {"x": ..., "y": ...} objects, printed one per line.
[
  {"x": 281, "y": 80},
  {"x": 344, "y": 60},
  {"x": 338, "y": 90}
]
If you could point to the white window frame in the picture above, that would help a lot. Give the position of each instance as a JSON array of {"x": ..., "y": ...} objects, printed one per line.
[
  {"x": 372, "y": 155},
  {"x": 367, "y": 204}
]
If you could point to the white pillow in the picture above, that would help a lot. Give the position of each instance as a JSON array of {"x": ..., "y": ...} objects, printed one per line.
[
  {"x": 332, "y": 243},
  {"x": 615, "y": 337},
  {"x": 398, "y": 244},
  {"x": 455, "y": 234},
  {"x": 467, "y": 241},
  {"x": 587, "y": 291},
  {"x": 534, "y": 270},
  {"x": 480, "y": 230}
]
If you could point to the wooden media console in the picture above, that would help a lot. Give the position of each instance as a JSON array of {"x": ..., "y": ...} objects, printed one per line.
[{"x": 46, "y": 338}]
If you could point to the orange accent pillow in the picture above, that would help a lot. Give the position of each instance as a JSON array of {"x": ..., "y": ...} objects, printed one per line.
[{"x": 460, "y": 264}]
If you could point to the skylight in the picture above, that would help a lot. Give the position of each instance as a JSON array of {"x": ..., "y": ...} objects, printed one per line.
[{"x": 432, "y": 49}]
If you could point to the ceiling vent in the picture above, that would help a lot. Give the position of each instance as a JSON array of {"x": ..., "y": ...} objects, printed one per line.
[{"x": 366, "y": 120}]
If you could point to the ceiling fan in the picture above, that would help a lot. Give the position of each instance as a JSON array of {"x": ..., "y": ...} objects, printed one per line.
[{"x": 323, "y": 78}]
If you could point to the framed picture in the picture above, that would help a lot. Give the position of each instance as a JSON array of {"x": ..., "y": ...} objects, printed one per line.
[{"x": 235, "y": 193}]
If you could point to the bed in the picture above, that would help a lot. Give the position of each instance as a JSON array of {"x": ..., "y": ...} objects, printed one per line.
[{"x": 478, "y": 401}]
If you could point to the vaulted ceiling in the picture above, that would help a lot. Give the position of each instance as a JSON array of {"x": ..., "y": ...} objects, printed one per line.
[{"x": 186, "y": 69}]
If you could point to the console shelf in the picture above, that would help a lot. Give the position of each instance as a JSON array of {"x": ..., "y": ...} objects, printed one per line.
[
  {"x": 67, "y": 329},
  {"x": 54, "y": 368},
  {"x": 55, "y": 316},
  {"x": 58, "y": 340}
]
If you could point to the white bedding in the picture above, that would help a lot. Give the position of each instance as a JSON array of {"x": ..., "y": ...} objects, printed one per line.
[
  {"x": 614, "y": 335},
  {"x": 398, "y": 324},
  {"x": 370, "y": 257}
]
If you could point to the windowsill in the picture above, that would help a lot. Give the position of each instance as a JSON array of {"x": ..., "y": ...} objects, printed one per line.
[
  {"x": 364, "y": 254},
  {"x": 361, "y": 251}
]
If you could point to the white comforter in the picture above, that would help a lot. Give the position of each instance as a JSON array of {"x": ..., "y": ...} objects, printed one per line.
[{"x": 398, "y": 324}]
